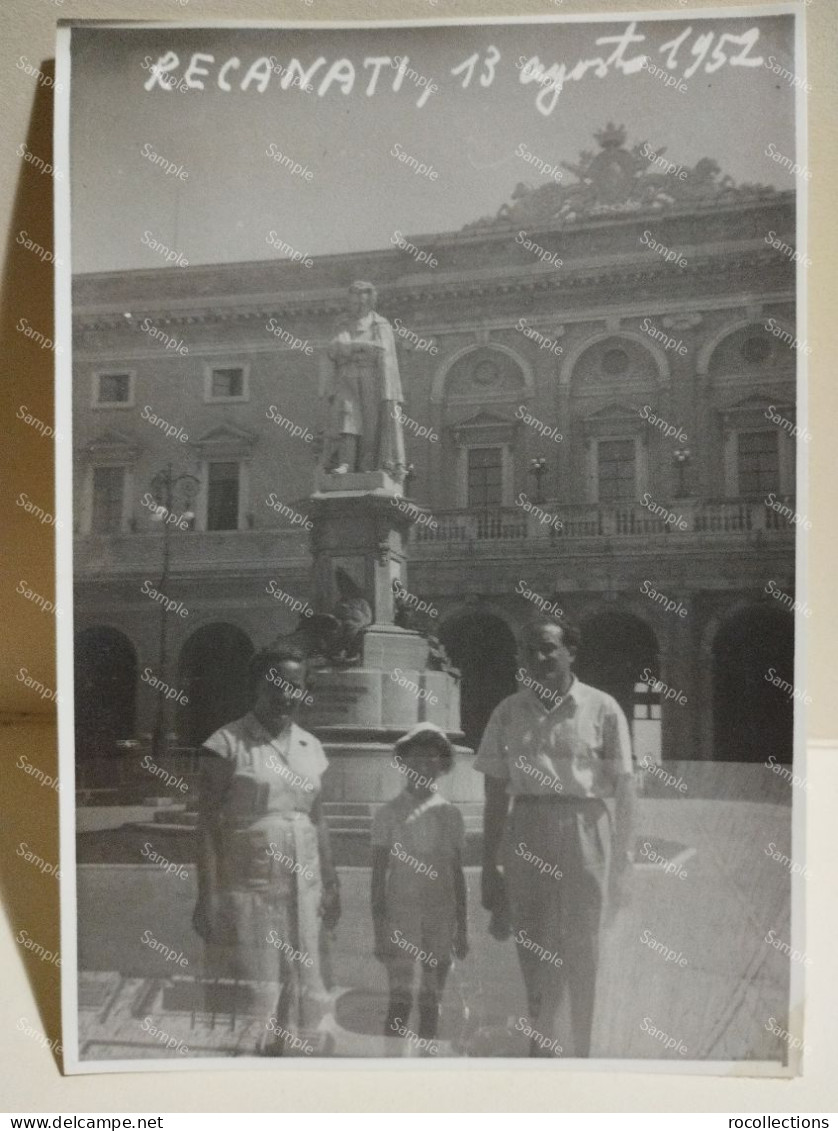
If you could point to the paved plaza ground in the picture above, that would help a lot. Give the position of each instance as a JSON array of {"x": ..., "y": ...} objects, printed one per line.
[{"x": 718, "y": 1005}]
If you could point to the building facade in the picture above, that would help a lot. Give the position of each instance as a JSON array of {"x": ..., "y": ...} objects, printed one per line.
[{"x": 600, "y": 390}]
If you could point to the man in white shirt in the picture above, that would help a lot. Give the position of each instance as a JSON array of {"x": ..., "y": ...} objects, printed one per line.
[{"x": 556, "y": 749}]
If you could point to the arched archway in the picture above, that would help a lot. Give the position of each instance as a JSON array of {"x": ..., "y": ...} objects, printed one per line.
[
  {"x": 212, "y": 670},
  {"x": 752, "y": 717},
  {"x": 483, "y": 647},
  {"x": 105, "y": 691},
  {"x": 616, "y": 648}
]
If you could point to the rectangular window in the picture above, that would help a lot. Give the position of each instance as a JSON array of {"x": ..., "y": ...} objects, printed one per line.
[
  {"x": 113, "y": 389},
  {"x": 108, "y": 500},
  {"x": 227, "y": 384},
  {"x": 485, "y": 477},
  {"x": 223, "y": 496},
  {"x": 616, "y": 470},
  {"x": 758, "y": 463}
]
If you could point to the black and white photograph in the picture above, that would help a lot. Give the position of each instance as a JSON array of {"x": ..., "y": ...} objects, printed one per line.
[{"x": 432, "y": 433}]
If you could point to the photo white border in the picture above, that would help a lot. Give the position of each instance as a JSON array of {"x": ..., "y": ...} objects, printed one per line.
[{"x": 72, "y": 1065}]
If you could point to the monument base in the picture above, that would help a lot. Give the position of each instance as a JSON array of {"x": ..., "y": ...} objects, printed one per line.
[
  {"x": 354, "y": 483},
  {"x": 367, "y": 772}
]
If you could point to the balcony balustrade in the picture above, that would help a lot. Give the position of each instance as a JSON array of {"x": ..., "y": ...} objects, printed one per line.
[{"x": 556, "y": 521}]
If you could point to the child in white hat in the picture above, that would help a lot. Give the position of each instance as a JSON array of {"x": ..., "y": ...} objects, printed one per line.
[{"x": 418, "y": 886}]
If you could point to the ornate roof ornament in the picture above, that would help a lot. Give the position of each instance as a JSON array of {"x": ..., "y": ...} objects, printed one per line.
[{"x": 616, "y": 181}]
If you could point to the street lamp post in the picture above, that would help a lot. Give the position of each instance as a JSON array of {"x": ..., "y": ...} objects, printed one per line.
[
  {"x": 537, "y": 468},
  {"x": 163, "y": 488},
  {"x": 681, "y": 458}
]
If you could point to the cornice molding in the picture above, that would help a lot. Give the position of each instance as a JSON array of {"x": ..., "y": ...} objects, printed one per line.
[{"x": 629, "y": 272}]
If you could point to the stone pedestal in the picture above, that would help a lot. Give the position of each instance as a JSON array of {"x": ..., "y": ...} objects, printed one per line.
[{"x": 361, "y": 524}]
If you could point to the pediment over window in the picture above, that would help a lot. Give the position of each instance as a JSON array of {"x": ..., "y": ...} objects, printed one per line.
[
  {"x": 225, "y": 440},
  {"x": 111, "y": 444},
  {"x": 757, "y": 411},
  {"x": 484, "y": 428},
  {"x": 613, "y": 420}
]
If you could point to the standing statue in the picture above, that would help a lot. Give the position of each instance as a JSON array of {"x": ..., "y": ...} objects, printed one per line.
[{"x": 362, "y": 393}]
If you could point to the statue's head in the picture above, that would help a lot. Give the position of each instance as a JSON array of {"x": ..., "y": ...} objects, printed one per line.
[{"x": 362, "y": 298}]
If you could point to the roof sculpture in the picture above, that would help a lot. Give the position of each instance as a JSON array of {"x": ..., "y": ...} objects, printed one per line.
[{"x": 619, "y": 180}]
